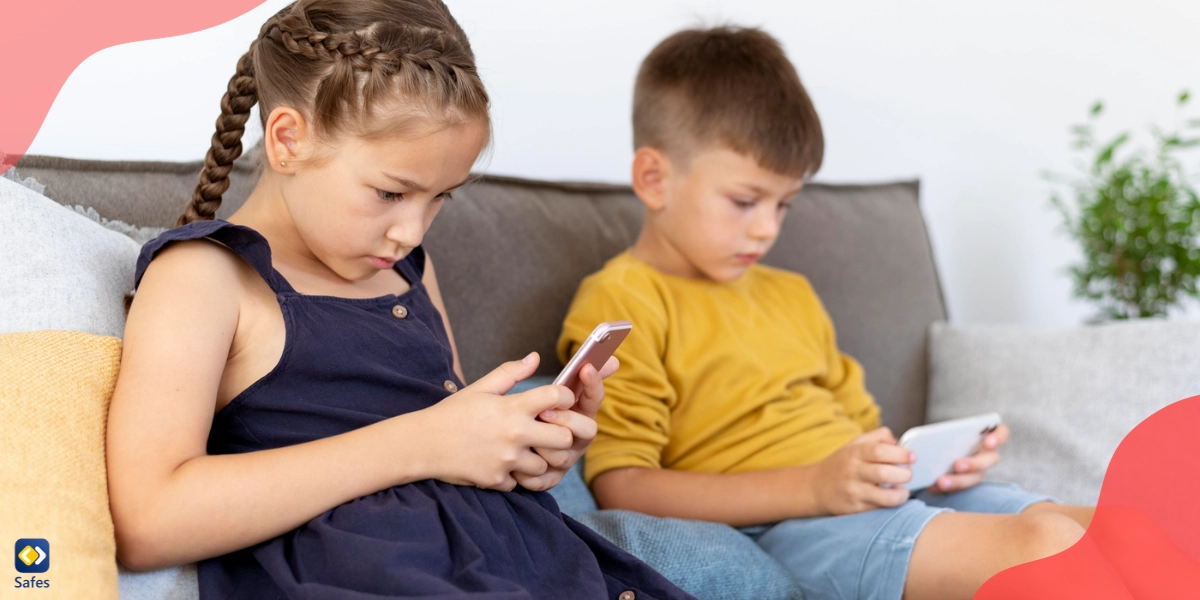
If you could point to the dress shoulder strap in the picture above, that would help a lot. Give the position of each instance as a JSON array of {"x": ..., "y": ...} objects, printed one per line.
[
  {"x": 413, "y": 265},
  {"x": 244, "y": 241}
]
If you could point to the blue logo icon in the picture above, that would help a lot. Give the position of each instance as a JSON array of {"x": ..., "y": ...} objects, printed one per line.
[{"x": 32, "y": 555}]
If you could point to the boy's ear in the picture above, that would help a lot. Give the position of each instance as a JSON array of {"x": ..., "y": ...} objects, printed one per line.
[
  {"x": 285, "y": 129},
  {"x": 651, "y": 169}
]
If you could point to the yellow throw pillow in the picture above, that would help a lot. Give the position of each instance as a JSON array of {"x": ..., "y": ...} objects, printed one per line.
[{"x": 55, "y": 387}]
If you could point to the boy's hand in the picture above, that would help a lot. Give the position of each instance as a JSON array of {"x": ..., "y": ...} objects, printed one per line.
[
  {"x": 580, "y": 419},
  {"x": 848, "y": 481},
  {"x": 969, "y": 471}
]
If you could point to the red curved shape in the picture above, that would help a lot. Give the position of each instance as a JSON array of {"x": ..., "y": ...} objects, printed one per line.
[
  {"x": 47, "y": 39},
  {"x": 1144, "y": 542}
]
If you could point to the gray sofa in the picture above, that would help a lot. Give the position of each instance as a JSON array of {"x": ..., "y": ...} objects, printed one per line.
[{"x": 510, "y": 253}]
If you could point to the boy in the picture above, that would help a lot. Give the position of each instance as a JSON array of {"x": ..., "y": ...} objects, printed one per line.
[{"x": 733, "y": 403}]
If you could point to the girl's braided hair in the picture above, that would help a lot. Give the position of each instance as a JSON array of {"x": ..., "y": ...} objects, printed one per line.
[{"x": 349, "y": 66}]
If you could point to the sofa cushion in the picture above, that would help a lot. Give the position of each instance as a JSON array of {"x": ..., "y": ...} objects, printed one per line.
[
  {"x": 510, "y": 254},
  {"x": 1069, "y": 396},
  {"x": 55, "y": 387},
  {"x": 60, "y": 269}
]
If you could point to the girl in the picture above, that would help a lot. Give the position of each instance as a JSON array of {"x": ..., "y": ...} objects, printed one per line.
[{"x": 290, "y": 409}]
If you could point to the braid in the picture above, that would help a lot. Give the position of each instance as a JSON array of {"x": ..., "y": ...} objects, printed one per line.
[
  {"x": 239, "y": 98},
  {"x": 333, "y": 60},
  {"x": 429, "y": 51},
  {"x": 302, "y": 39}
]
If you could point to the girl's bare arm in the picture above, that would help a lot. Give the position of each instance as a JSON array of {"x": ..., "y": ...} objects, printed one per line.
[
  {"x": 435, "y": 295},
  {"x": 172, "y": 503}
]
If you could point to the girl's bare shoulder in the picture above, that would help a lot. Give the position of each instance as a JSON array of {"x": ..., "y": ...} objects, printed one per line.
[
  {"x": 192, "y": 264},
  {"x": 197, "y": 274}
]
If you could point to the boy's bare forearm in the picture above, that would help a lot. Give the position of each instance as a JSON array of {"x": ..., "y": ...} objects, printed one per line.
[
  {"x": 737, "y": 499},
  {"x": 215, "y": 504}
]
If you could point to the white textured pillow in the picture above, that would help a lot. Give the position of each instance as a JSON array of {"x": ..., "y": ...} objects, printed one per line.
[
  {"x": 60, "y": 269},
  {"x": 172, "y": 583},
  {"x": 1069, "y": 396},
  {"x": 141, "y": 235}
]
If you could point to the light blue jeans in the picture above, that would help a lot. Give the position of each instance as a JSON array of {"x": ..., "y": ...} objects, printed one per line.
[{"x": 866, "y": 555}]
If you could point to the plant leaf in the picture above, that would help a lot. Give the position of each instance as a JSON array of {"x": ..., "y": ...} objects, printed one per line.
[{"x": 1106, "y": 153}]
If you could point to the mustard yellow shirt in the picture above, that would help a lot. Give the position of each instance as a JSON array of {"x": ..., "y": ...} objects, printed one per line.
[{"x": 717, "y": 377}]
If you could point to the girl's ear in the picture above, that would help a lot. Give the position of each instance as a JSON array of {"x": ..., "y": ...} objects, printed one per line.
[
  {"x": 285, "y": 133},
  {"x": 651, "y": 170}
]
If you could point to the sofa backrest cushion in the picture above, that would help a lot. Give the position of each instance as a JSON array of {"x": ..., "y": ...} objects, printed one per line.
[
  {"x": 510, "y": 252},
  {"x": 1069, "y": 396}
]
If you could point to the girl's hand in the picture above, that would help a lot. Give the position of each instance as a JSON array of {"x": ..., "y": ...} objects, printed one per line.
[
  {"x": 580, "y": 419},
  {"x": 486, "y": 439},
  {"x": 848, "y": 481},
  {"x": 970, "y": 471}
]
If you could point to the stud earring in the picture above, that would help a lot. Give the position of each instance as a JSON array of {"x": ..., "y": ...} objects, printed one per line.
[{"x": 282, "y": 164}]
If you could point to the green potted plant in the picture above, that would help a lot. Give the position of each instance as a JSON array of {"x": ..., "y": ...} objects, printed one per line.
[{"x": 1136, "y": 217}]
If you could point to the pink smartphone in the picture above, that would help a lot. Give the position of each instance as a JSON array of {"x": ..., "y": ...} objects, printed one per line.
[{"x": 600, "y": 345}]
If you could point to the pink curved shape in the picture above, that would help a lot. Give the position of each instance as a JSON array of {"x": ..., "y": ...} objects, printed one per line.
[
  {"x": 1144, "y": 542},
  {"x": 46, "y": 41}
]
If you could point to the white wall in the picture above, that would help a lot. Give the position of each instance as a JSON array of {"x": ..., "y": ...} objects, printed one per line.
[{"x": 973, "y": 98}]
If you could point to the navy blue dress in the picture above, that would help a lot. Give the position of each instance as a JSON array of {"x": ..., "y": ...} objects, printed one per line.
[{"x": 348, "y": 363}]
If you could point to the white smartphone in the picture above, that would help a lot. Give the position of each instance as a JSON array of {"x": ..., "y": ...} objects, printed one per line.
[
  {"x": 939, "y": 445},
  {"x": 600, "y": 345}
]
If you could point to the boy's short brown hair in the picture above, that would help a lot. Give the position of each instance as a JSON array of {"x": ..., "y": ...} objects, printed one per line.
[{"x": 731, "y": 86}]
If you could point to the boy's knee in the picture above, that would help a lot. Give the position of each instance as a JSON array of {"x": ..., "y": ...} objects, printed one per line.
[{"x": 1043, "y": 534}]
